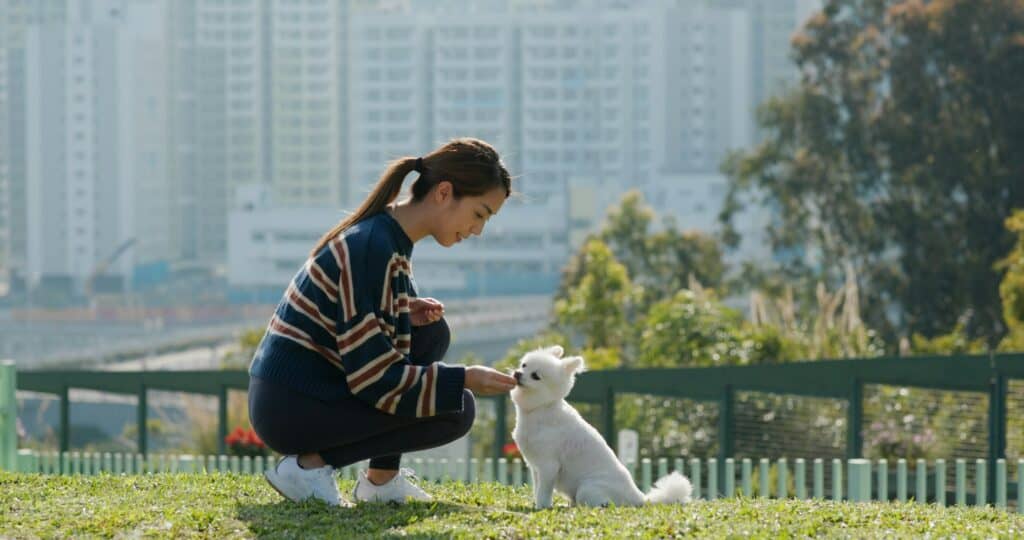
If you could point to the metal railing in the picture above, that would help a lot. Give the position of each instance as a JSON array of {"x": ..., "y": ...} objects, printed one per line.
[{"x": 836, "y": 379}]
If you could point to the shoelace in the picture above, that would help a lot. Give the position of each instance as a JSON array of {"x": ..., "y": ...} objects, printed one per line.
[
  {"x": 326, "y": 472},
  {"x": 408, "y": 473}
]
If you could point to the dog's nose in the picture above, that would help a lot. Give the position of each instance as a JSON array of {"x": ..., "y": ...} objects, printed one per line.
[{"x": 518, "y": 375}]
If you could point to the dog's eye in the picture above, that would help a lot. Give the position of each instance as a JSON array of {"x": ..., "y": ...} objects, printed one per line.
[{"x": 535, "y": 376}]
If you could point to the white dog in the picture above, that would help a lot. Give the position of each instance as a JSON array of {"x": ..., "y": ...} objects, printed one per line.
[{"x": 566, "y": 453}]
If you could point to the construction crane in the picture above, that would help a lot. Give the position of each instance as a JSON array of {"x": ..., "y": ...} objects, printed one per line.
[{"x": 102, "y": 266}]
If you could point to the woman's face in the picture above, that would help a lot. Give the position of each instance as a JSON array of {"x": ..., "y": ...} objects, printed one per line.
[{"x": 459, "y": 218}]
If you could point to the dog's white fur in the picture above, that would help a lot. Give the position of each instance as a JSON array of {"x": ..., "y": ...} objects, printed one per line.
[{"x": 566, "y": 453}]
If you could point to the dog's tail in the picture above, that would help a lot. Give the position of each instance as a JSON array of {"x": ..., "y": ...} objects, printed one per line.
[{"x": 671, "y": 489}]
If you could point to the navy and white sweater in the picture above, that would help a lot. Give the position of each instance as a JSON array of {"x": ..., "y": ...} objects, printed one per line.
[{"x": 343, "y": 328}]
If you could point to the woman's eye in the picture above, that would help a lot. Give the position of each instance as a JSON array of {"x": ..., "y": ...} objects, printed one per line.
[
  {"x": 535, "y": 376},
  {"x": 478, "y": 215}
]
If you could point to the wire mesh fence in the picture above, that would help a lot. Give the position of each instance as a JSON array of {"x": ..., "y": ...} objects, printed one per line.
[
  {"x": 669, "y": 427},
  {"x": 1015, "y": 425},
  {"x": 915, "y": 423}
]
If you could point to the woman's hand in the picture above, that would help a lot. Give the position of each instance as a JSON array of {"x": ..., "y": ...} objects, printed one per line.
[
  {"x": 485, "y": 381},
  {"x": 423, "y": 311}
]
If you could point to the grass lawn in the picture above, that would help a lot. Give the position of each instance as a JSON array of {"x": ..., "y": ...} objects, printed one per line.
[{"x": 229, "y": 506}]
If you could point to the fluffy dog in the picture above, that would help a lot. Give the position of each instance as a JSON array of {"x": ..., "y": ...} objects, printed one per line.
[{"x": 566, "y": 453}]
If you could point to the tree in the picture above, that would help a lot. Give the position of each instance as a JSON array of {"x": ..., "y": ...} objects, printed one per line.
[
  {"x": 597, "y": 306},
  {"x": 1012, "y": 288},
  {"x": 692, "y": 329},
  {"x": 900, "y": 153},
  {"x": 658, "y": 262}
]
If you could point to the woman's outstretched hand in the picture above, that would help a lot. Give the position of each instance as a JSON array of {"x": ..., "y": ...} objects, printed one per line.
[{"x": 485, "y": 381}]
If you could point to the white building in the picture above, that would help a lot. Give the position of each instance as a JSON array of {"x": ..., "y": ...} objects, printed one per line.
[
  {"x": 15, "y": 18},
  {"x": 219, "y": 127},
  {"x": 306, "y": 67},
  {"x": 705, "y": 95},
  {"x": 388, "y": 88},
  {"x": 259, "y": 95},
  {"x": 93, "y": 129}
]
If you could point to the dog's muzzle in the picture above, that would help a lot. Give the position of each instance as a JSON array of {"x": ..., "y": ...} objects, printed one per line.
[{"x": 519, "y": 377}]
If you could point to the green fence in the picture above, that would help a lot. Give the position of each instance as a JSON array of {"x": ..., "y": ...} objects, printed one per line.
[
  {"x": 835, "y": 379},
  {"x": 856, "y": 480},
  {"x": 138, "y": 383}
]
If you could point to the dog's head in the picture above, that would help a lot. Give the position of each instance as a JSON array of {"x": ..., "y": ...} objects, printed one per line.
[{"x": 545, "y": 377}]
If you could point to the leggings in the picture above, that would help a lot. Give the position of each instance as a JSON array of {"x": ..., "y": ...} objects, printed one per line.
[{"x": 349, "y": 430}]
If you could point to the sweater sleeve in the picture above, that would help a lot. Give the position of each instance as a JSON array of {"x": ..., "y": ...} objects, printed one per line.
[{"x": 376, "y": 371}]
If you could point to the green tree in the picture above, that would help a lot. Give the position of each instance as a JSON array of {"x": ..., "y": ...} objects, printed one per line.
[
  {"x": 659, "y": 262},
  {"x": 900, "y": 153},
  {"x": 1012, "y": 288},
  {"x": 692, "y": 329},
  {"x": 597, "y": 306}
]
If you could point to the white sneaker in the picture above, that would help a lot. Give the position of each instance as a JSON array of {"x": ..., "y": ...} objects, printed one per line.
[
  {"x": 398, "y": 490},
  {"x": 298, "y": 484}
]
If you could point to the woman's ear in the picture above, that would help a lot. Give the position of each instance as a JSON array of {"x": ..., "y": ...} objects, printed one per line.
[{"x": 443, "y": 191}]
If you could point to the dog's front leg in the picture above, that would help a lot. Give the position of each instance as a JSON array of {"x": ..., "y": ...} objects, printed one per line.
[{"x": 544, "y": 486}]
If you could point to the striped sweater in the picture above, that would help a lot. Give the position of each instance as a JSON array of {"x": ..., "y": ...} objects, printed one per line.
[{"x": 343, "y": 328}]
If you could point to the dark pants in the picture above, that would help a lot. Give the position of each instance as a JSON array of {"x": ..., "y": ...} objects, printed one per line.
[{"x": 349, "y": 430}]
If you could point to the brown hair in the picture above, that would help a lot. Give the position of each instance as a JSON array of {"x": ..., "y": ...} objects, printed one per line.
[{"x": 472, "y": 166}]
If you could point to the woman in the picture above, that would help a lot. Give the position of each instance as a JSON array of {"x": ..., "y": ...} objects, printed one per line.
[{"x": 349, "y": 367}]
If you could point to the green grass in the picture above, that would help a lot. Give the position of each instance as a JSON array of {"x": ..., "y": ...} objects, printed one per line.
[{"x": 230, "y": 506}]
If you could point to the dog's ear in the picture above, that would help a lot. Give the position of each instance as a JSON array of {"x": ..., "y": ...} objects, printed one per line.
[
  {"x": 573, "y": 364},
  {"x": 556, "y": 350}
]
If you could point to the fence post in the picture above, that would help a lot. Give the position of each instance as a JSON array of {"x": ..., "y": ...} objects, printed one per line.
[
  {"x": 141, "y": 421},
  {"x": 608, "y": 410},
  {"x": 725, "y": 427},
  {"x": 222, "y": 420},
  {"x": 8, "y": 416},
  {"x": 858, "y": 480},
  {"x": 996, "y": 428},
  {"x": 500, "y": 427},
  {"x": 854, "y": 419},
  {"x": 65, "y": 422}
]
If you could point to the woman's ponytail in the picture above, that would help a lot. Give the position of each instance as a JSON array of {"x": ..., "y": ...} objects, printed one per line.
[{"x": 383, "y": 194}]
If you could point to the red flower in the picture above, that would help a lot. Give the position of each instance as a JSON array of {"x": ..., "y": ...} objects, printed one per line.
[
  {"x": 245, "y": 442},
  {"x": 511, "y": 450},
  {"x": 252, "y": 439}
]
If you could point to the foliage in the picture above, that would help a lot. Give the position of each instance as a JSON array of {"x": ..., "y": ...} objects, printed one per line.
[
  {"x": 1011, "y": 290},
  {"x": 899, "y": 154},
  {"x": 660, "y": 262}
]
